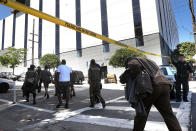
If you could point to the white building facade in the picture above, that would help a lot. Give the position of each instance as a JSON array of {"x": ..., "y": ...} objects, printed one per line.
[{"x": 148, "y": 25}]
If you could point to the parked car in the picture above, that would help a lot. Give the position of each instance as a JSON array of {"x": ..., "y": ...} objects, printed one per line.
[
  {"x": 78, "y": 77},
  {"x": 21, "y": 77},
  {"x": 170, "y": 73},
  {"x": 5, "y": 84},
  {"x": 111, "y": 78},
  {"x": 8, "y": 75}
]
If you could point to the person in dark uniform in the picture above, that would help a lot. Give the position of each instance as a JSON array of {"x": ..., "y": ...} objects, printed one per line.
[
  {"x": 31, "y": 83},
  {"x": 94, "y": 79},
  {"x": 182, "y": 77},
  {"x": 157, "y": 95}
]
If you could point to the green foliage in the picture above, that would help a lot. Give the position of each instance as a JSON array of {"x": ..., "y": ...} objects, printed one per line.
[
  {"x": 50, "y": 60},
  {"x": 187, "y": 49},
  {"x": 13, "y": 57},
  {"x": 120, "y": 56}
]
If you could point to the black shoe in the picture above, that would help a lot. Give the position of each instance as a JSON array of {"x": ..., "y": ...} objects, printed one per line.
[
  {"x": 27, "y": 100},
  {"x": 103, "y": 105},
  {"x": 34, "y": 102},
  {"x": 185, "y": 100},
  {"x": 74, "y": 94},
  {"x": 58, "y": 106},
  {"x": 178, "y": 100},
  {"x": 66, "y": 106},
  {"x": 92, "y": 106},
  {"x": 48, "y": 96}
]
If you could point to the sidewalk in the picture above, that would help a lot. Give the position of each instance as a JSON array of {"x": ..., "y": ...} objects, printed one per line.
[{"x": 193, "y": 105}]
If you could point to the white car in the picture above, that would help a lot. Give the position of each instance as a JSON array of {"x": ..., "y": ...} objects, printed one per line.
[{"x": 5, "y": 84}]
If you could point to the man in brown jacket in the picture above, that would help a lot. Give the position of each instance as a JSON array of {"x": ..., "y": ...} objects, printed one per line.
[{"x": 159, "y": 97}]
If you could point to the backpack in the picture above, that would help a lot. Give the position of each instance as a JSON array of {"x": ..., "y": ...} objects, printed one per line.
[
  {"x": 30, "y": 80},
  {"x": 95, "y": 74}
]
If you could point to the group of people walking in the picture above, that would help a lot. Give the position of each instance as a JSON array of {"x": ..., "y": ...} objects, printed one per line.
[
  {"x": 33, "y": 81},
  {"x": 145, "y": 86},
  {"x": 64, "y": 84}
]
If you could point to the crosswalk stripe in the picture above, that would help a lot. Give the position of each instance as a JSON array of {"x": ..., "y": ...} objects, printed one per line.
[
  {"x": 119, "y": 123},
  {"x": 27, "y": 106},
  {"x": 122, "y": 108}
]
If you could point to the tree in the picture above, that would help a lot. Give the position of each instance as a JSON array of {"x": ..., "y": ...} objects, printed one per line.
[
  {"x": 13, "y": 57},
  {"x": 187, "y": 49},
  {"x": 50, "y": 60},
  {"x": 120, "y": 56}
]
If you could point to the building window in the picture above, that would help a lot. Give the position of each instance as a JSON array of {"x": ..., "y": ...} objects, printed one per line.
[
  {"x": 104, "y": 24},
  {"x": 137, "y": 23},
  {"x": 78, "y": 34}
]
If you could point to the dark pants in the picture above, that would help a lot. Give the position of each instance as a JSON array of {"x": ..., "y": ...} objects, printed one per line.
[
  {"x": 34, "y": 95},
  {"x": 39, "y": 85},
  {"x": 94, "y": 92},
  {"x": 63, "y": 88},
  {"x": 161, "y": 100},
  {"x": 185, "y": 83}
]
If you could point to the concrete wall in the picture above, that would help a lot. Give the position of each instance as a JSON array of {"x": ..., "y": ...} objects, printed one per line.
[{"x": 152, "y": 44}]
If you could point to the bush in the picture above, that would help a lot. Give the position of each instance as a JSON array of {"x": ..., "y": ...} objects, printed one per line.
[{"x": 121, "y": 55}]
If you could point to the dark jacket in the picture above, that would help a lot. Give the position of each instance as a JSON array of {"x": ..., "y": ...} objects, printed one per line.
[
  {"x": 30, "y": 74},
  {"x": 94, "y": 74},
  {"x": 46, "y": 76},
  {"x": 183, "y": 69}
]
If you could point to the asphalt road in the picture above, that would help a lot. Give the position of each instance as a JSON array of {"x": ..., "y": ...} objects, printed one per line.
[{"x": 117, "y": 116}]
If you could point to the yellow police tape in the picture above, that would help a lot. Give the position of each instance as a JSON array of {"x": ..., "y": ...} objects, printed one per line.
[{"x": 20, "y": 7}]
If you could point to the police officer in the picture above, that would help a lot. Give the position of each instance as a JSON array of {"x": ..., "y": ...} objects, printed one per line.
[
  {"x": 182, "y": 77},
  {"x": 94, "y": 79}
]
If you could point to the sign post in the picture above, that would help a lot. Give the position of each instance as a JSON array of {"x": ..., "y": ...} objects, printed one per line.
[{"x": 14, "y": 92}]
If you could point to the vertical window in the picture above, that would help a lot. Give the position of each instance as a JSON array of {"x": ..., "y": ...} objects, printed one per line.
[
  {"x": 25, "y": 38},
  {"x": 57, "y": 30},
  {"x": 78, "y": 34},
  {"x": 14, "y": 30},
  {"x": 104, "y": 24},
  {"x": 40, "y": 31},
  {"x": 3, "y": 35},
  {"x": 137, "y": 23}
]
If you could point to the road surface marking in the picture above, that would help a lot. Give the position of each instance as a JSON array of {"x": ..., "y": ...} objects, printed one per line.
[
  {"x": 124, "y": 108},
  {"x": 27, "y": 106},
  {"x": 119, "y": 123},
  {"x": 62, "y": 115}
]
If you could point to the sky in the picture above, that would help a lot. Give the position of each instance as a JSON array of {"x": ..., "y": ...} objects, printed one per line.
[{"x": 181, "y": 12}]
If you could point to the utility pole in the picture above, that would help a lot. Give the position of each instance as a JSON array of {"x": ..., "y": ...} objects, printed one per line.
[
  {"x": 191, "y": 6},
  {"x": 33, "y": 41}
]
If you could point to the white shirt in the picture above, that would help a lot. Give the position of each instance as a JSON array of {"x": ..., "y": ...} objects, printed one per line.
[{"x": 64, "y": 73}]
